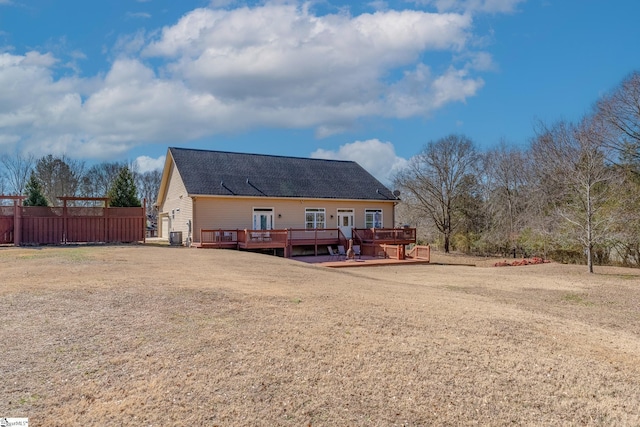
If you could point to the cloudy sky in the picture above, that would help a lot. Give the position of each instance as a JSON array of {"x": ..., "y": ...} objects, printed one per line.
[{"x": 372, "y": 82}]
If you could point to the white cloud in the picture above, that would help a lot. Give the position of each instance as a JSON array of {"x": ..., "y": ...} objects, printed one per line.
[
  {"x": 377, "y": 157},
  {"x": 488, "y": 6},
  {"x": 221, "y": 3},
  {"x": 286, "y": 67},
  {"x": 148, "y": 164},
  {"x": 378, "y": 5},
  {"x": 275, "y": 65},
  {"x": 38, "y": 60},
  {"x": 143, "y": 15}
]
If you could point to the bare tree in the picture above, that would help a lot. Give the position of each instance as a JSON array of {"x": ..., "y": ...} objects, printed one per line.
[
  {"x": 59, "y": 176},
  {"x": 438, "y": 181},
  {"x": 99, "y": 178},
  {"x": 625, "y": 211},
  {"x": 148, "y": 184},
  {"x": 571, "y": 160},
  {"x": 17, "y": 169},
  {"x": 505, "y": 194},
  {"x": 620, "y": 110}
]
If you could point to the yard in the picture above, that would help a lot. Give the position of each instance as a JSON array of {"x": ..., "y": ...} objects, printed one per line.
[{"x": 155, "y": 336}]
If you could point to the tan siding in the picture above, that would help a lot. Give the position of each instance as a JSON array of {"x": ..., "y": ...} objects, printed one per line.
[
  {"x": 178, "y": 202},
  {"x": 237, "y": 213}
]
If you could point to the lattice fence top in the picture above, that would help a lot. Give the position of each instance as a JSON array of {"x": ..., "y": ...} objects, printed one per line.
[
  {"x": 85, "y": 211},
  {"x": 41, "y": 211}
]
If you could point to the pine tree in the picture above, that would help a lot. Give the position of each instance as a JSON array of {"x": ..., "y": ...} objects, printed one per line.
[
  {"x": 123, "y": 191},
  {"x": 33, "y": 191}
]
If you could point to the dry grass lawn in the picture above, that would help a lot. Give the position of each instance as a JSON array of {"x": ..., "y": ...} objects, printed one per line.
[{"x": 158, "y": 336}]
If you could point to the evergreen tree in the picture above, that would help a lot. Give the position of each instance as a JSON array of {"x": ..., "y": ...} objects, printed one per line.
[
  {"x": 33, "y": 191},
  {"x": 123, "y": 192}
]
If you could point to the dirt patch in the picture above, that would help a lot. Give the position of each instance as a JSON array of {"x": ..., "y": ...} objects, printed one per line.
[{"x": 174, "y": 336}]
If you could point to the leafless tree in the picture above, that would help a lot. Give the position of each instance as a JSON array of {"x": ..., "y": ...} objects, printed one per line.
[
  {"x": 98, "y": 179},
  {"x": 438, "y": 180},
  {"x": 17, "y": 169},
  {"x": 620, "y": 110},
  {"x": 148, "y": 184},
  {"x": 626, "y": 206},
  {"x": 504, "y": 181},
  {"x": 59, "y": 176},
  {"x": 571, "y": 160},
  {"x": 3, "y": 185}
]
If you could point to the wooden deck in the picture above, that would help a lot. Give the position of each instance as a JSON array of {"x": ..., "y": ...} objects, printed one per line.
[
  {"x": 365, "y": 261},
  {"x": 388, "y": 236},
  {"x": 371, "y": 241}
]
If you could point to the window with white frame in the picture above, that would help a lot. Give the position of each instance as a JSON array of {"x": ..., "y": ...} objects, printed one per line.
[
  {"x": 314, "y": 218},
  {"x": 373, "y": 218}
]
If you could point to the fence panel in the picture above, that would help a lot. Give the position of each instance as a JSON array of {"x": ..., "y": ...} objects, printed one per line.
[
  {"x": 6, "y": 229},
  {"x": 86, "y": 229},
  {"x": 42, "y": 230},
  {"x": 42, "y": 225},
  {"x": 126, "y": 224},
  {"x": 54, "y": 226}
]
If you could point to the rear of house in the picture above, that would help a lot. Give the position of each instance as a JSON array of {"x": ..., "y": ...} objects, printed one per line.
[{"x": 211, "y": 196}]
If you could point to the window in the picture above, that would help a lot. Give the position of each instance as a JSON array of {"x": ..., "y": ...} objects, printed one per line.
[
  {"x": 373, "y": 218},
  {"x": 314, "y": 218}
]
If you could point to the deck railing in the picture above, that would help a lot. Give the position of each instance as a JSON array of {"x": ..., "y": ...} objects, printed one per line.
[
  {"x": 392, "y": 236},
  {"x": 317, "y": 237},
  {"x": 314, "y": 235},
  {"x": 302, "y": 236},
  {"x": 245, "y": 238},
  {"x": 420, "y": 252},
  {"x": 218, "y": 237},
  {"x": 263, "y": 237}
]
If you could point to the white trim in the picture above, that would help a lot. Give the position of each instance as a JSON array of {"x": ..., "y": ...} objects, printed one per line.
[
  {"x": 373, "y": 221},
  {"x": 315, "y": 211},
  {"x": 302, "y": 199},
  {"x": 350, "y": 212},
  {"x": 263, "y": 210}
]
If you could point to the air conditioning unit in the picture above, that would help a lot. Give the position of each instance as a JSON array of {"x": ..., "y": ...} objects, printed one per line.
[{"x": 175, "y": 238}]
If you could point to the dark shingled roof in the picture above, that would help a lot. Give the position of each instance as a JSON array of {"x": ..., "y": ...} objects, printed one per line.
[{"x": 223, "y": 173}]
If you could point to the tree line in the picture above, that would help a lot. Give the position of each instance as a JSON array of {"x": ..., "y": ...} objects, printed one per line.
[
  {"x": 572, "y": 194},
  {"x": 45, "y": 179}
]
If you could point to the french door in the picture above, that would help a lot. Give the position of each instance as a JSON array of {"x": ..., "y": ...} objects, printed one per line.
[
  {"x": 345, "y": 221},
  {"x": 263, "y": 218}
]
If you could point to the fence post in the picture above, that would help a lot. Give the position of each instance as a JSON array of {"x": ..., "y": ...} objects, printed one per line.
[
  {"x": 105, "y": 221},
  {"x": 17, "y": 222},
  {"x": 144, "y": 220},
  {"x": 64, "y": 221}
]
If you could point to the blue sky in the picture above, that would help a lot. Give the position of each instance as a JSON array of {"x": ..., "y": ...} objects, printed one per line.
[{"x": 371, "y": 82}]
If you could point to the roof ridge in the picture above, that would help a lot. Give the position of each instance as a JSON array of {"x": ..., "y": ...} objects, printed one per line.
[{"x": 261, "y": 155}]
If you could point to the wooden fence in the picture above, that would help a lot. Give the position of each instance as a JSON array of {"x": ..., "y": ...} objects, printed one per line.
[{"x": 32, "y": 225}]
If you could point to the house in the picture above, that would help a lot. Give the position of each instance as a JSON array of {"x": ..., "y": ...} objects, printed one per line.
[{"x": 288, "y": 204}]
